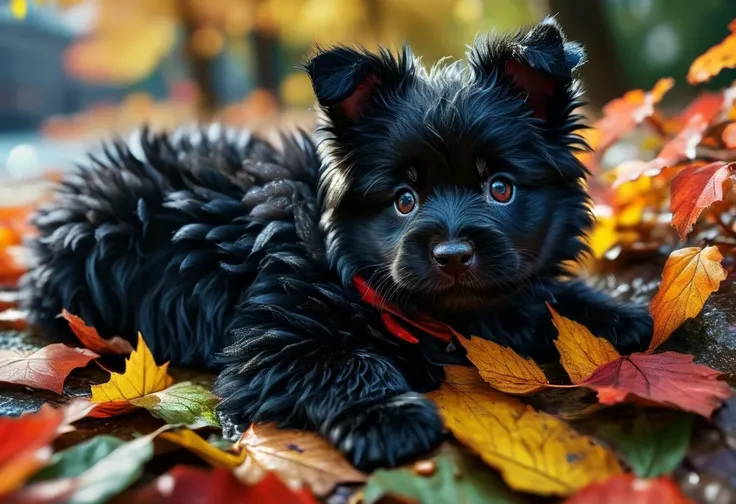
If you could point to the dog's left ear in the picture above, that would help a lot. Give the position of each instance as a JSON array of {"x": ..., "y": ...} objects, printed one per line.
[{"x": 539, "y": 64}]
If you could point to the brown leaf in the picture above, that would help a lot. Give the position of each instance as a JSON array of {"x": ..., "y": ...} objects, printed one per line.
[
  {"x": 299, "y": 458},
  {"x": 503, "y": 368},
  {"x": 89, "y": 337},
  {"x": 46, "y": 368},
  {"x": 694, "y": 189},
  {"x": 581, "y": 353},
  {"x": 689, "y": 277}
]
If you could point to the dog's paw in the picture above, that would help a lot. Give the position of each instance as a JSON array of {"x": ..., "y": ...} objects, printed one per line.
[
  {"x": 629, "y": 329},
  {"x": 385, "y": 433}
]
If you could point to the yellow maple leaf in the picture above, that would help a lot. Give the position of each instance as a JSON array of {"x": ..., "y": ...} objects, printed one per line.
[
  {"x": 533, "y": 451},
  {"x": 581, "y": 352},
  {"x": 142, "y": 377},
  {"x": 689, "y": 277},
  {"x": 503, "y": 368}
]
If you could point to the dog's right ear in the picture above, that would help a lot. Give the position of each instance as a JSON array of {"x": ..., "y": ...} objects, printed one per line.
[{"x": 348, "y": 82}]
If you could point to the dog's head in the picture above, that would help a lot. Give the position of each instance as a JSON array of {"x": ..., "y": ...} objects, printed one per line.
[{"x": 451, "y": 187}]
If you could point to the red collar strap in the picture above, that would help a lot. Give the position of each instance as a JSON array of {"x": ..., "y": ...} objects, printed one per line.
[{"x": 390, "y": 314}]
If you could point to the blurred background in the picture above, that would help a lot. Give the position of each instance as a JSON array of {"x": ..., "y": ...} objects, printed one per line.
[{"x": 75, "y": 71}]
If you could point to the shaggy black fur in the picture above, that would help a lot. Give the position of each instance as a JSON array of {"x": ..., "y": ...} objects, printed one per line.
[{"x": 236, "y": 254}]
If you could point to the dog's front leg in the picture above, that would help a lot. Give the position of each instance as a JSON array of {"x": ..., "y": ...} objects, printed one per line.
[{"x": 331, "y": 381}]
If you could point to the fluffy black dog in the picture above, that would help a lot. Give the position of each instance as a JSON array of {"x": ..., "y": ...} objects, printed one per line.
[{"x": 451, "y": 192}]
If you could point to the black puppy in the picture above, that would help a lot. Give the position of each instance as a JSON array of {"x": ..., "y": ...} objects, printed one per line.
[{"x": 443, "y": 196}]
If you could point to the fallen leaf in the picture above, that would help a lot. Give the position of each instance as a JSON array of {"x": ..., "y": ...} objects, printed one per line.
[
  {"x": 581, "y": 353},
  {"x": 623, "y": 114},
  {"x": 183, "y": 485},
  {"x": 456, "y": 478},
  {"x": 142, "y": 377},
  {"x": 668, "y": 379},
  {"x": 46, "y": 368},
  {"x": 93, "y": 471},
  {"x": 503, "y": 368},
  {"x": 184, "y": 403},
  {"x": 651, "y": 448},
  {"x": 89, "y": 337},
  {"x": 628, "y": 489},
  {"x": 24, "y": 445},
  {"x": 720, "y": 56},
  {"x": 533, "y": 451},
  {"x": 75, "y": 410},
  {"x": 694, "y": 189},
  {"x": 603, "y": 237},
  {"x": 211, "y": 454},
  {"x": 298, "y": 457},
  {"x": 689, "y": 277}
]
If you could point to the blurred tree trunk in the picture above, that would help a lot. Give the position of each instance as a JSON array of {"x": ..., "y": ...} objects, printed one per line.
[
  {"x": 200, "y": 67},
  {"x": 583, "y": 21}
]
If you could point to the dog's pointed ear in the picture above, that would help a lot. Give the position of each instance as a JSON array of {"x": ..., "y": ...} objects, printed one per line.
[
  {"x": 347, "y": 82},
  {"x": 539, "y": 64}
]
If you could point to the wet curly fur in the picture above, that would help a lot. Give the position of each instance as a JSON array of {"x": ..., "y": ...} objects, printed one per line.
[{"x": 237, "y": 254}]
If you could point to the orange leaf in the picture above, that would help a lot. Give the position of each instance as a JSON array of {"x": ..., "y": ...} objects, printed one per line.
[
  {"x": 729, "y": 136},
  {"x": 533, "y": 451},
  {"x": 689, "y": 277},
  {"x": 300, "y": 458},
  {"x": 623, "y": 114},
  {"x": 188, "y": 484},
  {"x": 46, "y": 368},
  {"x": 668, "y": 379},
  {"x": 92, "y": 340},
  {"x": 503, "y": 368},
  {"x": 720, "y": 56},
  {"x": 628, "y": 489},
  {"x": 142, "y": 377},
  {"x": 694, "y": 189},
  {"x": 581, "y": 353},
  {"x": 24, "y": 445}
]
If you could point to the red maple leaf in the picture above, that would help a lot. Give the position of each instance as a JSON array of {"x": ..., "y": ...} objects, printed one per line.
[
  {"x": 184, "y": 485},
  {"x": 694, "y": 189},
  {"x": 667, "y": 378},
  {"x": 24, "y": 445},
  {"x": 46, "y": 368},
  {"x": 627, "y": 488},
  {"x": 89, "y": 337}
]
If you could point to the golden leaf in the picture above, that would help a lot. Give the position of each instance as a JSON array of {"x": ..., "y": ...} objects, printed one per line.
[
  {"x": 503, "y": 368},
  {"x": 534, "y": 452},
  {"x": 298, "y": 457},
  {"x": 603, "y": 237},
  {"x": 690, "y": 275},
  {"x": 214, "y": 456},
  {"x": 581, "y": 353},
  {"x": 142, "y": 377}
]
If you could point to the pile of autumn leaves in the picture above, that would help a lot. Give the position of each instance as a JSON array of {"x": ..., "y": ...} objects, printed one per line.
[{"x": 507, "y": 450}]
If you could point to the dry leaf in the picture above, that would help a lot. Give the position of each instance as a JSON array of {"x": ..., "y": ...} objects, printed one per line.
[
  {"x": 46, "y": 368},
  {"x": 142, "y": 377},
  {"x": 628, "y": 489},
  {"x": 694, "y": 189},
  {"x": 668, "y": 379},
  {"x": 581, "y": 353},
  {"x": 24, "y": 445},
  {"x": 534, "y": 452},
  {"x": 720, "y": 56},
  {"x": 300, "y": 458},
  {"x": 92, "y": 340},
  {"x": 190, "y": 440},
  {"x": 689, "y": 277},
  {"x": 503, "y": 368}
]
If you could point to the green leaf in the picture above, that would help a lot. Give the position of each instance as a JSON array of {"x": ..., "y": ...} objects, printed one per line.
[
  {"x": 456, "y": 478},
  {"x": 184, "y": 403},
  {"x": 652, "y": 448},
  {"x": 86, "y": 476},
  {"x": 74, "y": 461}
]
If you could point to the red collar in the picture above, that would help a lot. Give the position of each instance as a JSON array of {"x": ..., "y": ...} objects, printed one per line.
[{"x": 389, "y": 314}]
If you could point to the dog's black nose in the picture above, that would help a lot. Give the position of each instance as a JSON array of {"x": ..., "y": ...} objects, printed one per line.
[{"x": 453, "y": 258}]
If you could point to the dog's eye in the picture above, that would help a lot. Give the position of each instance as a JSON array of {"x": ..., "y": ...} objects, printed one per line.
[
  {"x": 406, "y": 201},
  {"x": 501, "y": 190}
]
